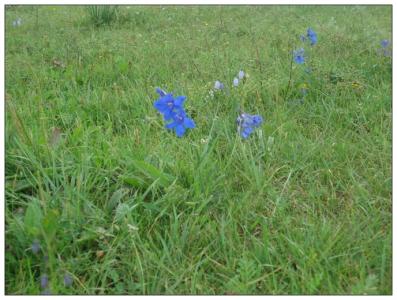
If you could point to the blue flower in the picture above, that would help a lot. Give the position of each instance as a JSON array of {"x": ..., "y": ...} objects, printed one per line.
[
  {"x": 167, "y": 104},
  {"x": 180, "y": 123},
  {"x": 241, "y": 74},
  {"x": 218, "y": 85},
  {"x": 302, "y": 38},
  {"x": 235, "y": 81},
  {"x": 247, "y": 123},
  {"x": 172, "y": 109},
  {"x": 312, "y": 36},
  {"x": 385, "y": 43},
  {"x": 299, "y": 56}
]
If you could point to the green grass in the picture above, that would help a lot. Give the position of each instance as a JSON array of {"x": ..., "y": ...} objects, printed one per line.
[{"x": 125, "y": 207}]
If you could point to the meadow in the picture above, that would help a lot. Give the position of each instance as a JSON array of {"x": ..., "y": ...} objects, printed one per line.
[{"x": 101, "y": 198}]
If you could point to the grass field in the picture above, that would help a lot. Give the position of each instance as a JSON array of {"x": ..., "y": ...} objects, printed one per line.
[{"x": 97, "y": 189}]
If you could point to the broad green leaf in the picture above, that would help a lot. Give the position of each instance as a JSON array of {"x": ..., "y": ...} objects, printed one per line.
[
  {"x": 50, "y": 223},
  {"x": 134, "y": 181},
  {"x": 152, "y": 172},
  {"x": 33, "y": 217},
  {"x": 121, "y": 211},
  {"x": 115, "y": 199}
]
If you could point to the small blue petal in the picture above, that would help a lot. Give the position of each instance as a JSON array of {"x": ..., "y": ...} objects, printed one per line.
[
  {"x": 168, "y": 114},
  {"x": 180, "y": 130},
  {"x": 188, "y": 123},
  {"x": 179, "y": 100},
  {"x": 160, "y": 105},
  {"x": 171, "y": 125},
  {"x": 257, "y": 120},
  {"x": 235, "y": 81},
  {"x": 246, "y": 132}
]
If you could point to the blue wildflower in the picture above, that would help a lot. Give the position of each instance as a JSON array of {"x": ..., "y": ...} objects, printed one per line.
[
  {"x": 299, "y": 56},
  {"x": 235, "y": 81},
  {"x": 167, "y": 104},
  {"x": 44, "y": 281},
  {"x": 302, "y": 38},
  {"x": 219, "y": 85},
  {"x": 180, "y": 123},
  {"x": 35, "y": 246},
  {"x": 246, "y": 124},
  {"x": 241, "y": 74},
  {"x": 67, "y": 280},
  {"x": 312, "y": 36},
  {"x": 385, "y": 43}
]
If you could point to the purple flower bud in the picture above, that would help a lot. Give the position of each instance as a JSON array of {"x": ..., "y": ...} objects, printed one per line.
[
  {"x": 235, "y": 81},
  {"x": 241, "y": 74},
  {"x": 161, "y": 92},
  {"x": 219, "y": 85},
  {"x": 44, "y": 281},
  {"x": 67, "y": 280},
  {"x": 246, "y": 124}
]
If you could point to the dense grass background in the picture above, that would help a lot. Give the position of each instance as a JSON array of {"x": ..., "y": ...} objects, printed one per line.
[{"x": 125, "y": 207}]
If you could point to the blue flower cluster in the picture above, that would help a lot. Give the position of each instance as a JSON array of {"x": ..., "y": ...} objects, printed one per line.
[
  {"x": 311, "y": 35},
  {"x": 298, "y": 54},
  {"x": 239, "y": 77},
  {"x": 44, "y": 278},
  {"x": 172, "y": 110},
  {"x": 247, "y": 123}
]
